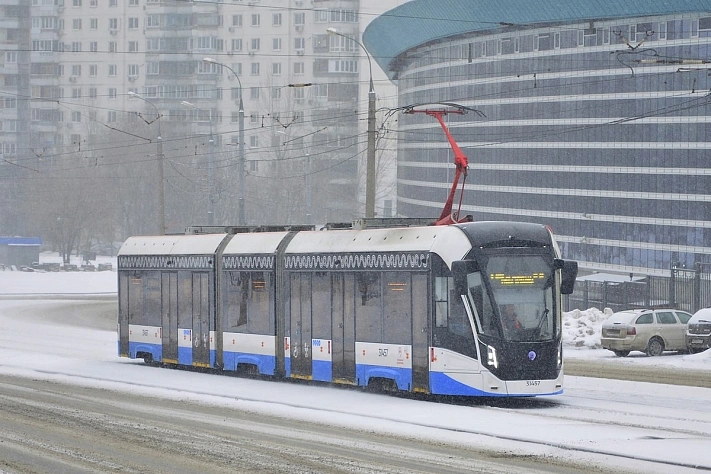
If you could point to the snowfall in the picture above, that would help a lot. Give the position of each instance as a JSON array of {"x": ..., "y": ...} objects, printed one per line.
[{"x": 84, "y": 355}]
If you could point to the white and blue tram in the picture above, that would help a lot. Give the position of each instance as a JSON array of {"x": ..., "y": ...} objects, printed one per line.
[{"x": 415, "y": 309}]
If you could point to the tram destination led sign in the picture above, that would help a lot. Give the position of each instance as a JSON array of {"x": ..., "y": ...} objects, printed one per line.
[{"x": 520, "y": 279}]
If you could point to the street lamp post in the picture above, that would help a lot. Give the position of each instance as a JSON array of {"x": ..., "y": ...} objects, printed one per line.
[
  {"x": 242, "y": 169},
  {"x": 159, "y": 156},
  {"x": 370, "y": 160},
  {"x": 210, "y": 169}
]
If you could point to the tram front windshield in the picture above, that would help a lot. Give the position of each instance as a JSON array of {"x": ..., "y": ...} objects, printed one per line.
[{"x": 519, "y": 305}]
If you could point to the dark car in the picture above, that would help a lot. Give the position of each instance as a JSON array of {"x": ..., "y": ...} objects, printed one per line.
[
  {"x": 104, "y": 267},
  {"x": 698, "y": 331}
]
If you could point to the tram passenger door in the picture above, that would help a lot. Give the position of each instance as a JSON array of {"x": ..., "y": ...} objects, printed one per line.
[
  {"x": 169, "y": 316},
  {"x": 343, "y": 327},
  {"x": 201, "y": 320},
  {"x": 301, "y": 324}
]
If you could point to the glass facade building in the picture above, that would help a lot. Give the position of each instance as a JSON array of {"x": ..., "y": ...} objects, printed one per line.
[{"x": 599, "y": 128}]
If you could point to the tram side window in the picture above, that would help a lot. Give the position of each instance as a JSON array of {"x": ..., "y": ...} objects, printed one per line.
[
  {"x": 259, "y": 314},
  {"x": 248, "y": 308},
  {"x": 135, "y": 299},
  {"x": 151, "y": 299},
  {"x": 321, "y": 305},
  {"x": 397, "y": 308},
  {"x": 368, "y": 307},
  {"x": 441, "y": 301},
  {"x": 185, "y": 299},
  {"x": 452, "y": 328}
]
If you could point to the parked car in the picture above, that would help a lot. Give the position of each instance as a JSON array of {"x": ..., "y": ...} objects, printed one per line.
[
  {"x": 88, "y": 267},
  {"x": 104, "y": 267},
  {"x": 698, "y": 332},
  {"x": 645, "y": 330}
]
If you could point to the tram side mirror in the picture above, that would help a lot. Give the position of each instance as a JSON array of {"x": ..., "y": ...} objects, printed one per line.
[
  {"x": 569, "y": 272},
  {"x": 460, "y": 270}
]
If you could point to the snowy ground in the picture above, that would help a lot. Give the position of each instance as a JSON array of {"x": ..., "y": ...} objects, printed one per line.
[{"x": 601, "y": 416}]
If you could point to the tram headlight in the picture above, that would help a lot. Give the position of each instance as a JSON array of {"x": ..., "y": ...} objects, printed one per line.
[
  {"x": 491, "y": 358},
  {"x": 560, "y": 355}
]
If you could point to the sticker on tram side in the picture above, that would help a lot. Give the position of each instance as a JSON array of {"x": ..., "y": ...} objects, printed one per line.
[
  {"x": 287, "y": 356},
  {"x": 388, "y": 361},
  {"x": 321, "y": 360},
  {"x": 185, "y": 346}
]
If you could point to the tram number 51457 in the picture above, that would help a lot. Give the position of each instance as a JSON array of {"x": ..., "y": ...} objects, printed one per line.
[{"x": 532, "y": 383}]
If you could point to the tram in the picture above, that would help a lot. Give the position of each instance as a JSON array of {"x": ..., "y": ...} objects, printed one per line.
[{"x": 416, "y": 309}]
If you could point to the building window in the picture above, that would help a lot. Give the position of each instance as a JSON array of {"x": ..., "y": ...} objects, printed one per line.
[
  {"x": 237, "y": 67},
  {"x": 133, "y": 3},
  {"x": 92, "y": 92},
  {"x": 76, "y": 24},
  {"x": 112, "y": 69},
  {"x": 320, "y": 16},
  {"x": 112, "y": 92},
  {"x": 299, "y": 19},
  {"x": 253, "y": 141},
  {"x": 112, "y": 116},
  {"x": 113, "y": 23},
  {"x": 343, "y": 65},
  {"x": 76, "y": 3},
  {"x": 298, "y": 94},
  {"x": 255, "y": 69},
  {"x": 254, "y": 92},
  {"x": 276, "y": 19},
  {"x": 298, "y": 68},
  {"x": 276, "y": 69},
  {"x": 133, "y": 70},
  {"x": 152, "y": 68},
  {"x": 255, "y": 44},
  {"x": 94, "y": 24},
  {"x": 76, "y": 46},
  {"x": 254, "y": 117},
  {"x": 112, "y": 46},
  {"x": 133, "y": 23},
  {"x": 236, "y": 20},
  {"x": 113, "y": 3},
  {"x": 276, "y": 93},
  {"x": 76, "y": 93},
  {"x": 93, "y": 70},
  {"x": 153, "y": 21},
  {"x": 76, "y": 70},
  {"x": 76, "y": 116},
  {"x": 255, "y": 19},
  {"x": 236, "y": 44},
  {"x": 75, "y": 138},
  {"x": 94, "y": 46},
  {"x": 133, "y": 46},
  {"x": 276, "y": 44}
]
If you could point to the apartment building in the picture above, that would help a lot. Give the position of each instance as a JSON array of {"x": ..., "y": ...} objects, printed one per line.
[{"x": 93, "y": 64}]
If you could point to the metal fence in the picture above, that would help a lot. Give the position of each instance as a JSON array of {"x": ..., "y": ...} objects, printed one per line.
[{"x": 685, "y": 289}]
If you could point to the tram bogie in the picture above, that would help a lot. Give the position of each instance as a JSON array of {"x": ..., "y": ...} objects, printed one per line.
[{"x": 418, "y": 309}]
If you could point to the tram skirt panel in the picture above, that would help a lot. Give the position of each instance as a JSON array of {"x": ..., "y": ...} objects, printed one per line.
[
  {"x": 251, "y": 349},
  {"x": 386, "y": 361},
  {"x": 145, "y": 340}
]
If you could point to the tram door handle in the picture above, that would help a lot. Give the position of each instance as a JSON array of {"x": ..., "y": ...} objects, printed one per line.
[{"x": 340, "y": 325}]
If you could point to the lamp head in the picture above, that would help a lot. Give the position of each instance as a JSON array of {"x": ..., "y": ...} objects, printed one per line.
[{"x": 332, "y": 31}]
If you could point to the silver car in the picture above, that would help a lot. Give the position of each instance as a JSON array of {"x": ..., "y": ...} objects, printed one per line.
[
  {"x": 646, "y": 330},
  {"x": 698, "y": 333}
]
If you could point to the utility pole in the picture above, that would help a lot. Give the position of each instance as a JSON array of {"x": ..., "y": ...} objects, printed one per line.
[
  {"x": 160, "y": 164},
  {"x": 241, "y": 161},
  {"x": 370, "y": 160},
  {"x": 210, "y": 166}
]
